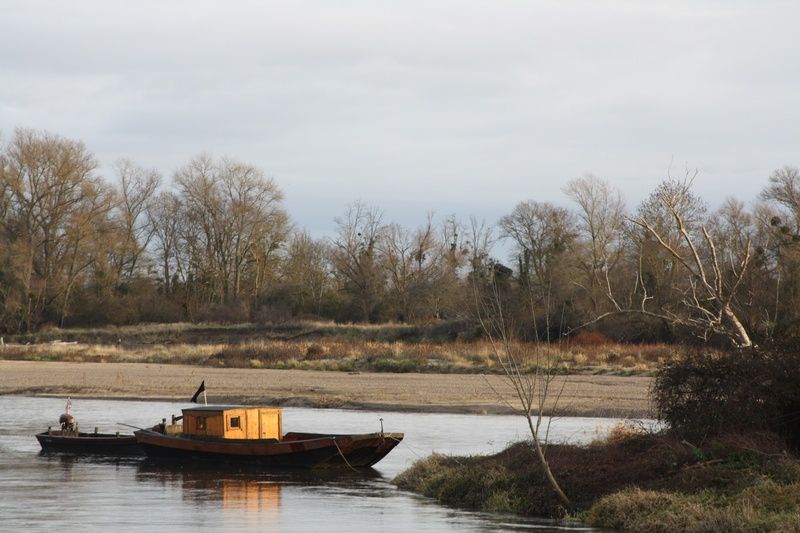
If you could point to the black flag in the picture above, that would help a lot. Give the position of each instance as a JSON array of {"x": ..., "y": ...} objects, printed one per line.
[{"x": 200, "y": 389}]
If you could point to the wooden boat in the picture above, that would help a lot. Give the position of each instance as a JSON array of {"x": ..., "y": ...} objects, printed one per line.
[
  {"x": 254, "y": 435},
  {"x": 88, "y": 443}
]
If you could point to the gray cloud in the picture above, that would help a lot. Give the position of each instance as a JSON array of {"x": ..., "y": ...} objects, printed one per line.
[{"x": 417, "y": 106}]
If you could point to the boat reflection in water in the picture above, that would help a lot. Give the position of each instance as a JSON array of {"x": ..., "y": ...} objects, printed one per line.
[
  {"x": 254, "y": 492},
  {"x": 64, "y": 463},
  {"x": 251, "y": 496},
  {"x": 244, "y": 499}
]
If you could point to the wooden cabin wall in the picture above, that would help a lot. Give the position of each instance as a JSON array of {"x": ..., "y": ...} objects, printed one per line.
[
  {"x": 214, "y": 424},
  {"x": 190, "y": 425},
  {"x": 270, "y": 423},
  {"x": 239, "y": 432},
  {"x": 254, "y": 423}
]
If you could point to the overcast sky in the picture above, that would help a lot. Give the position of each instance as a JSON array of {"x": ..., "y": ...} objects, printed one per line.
[{"x": 417, "y": 106}]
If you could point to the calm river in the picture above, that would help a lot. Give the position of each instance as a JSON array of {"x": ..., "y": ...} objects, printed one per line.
[{"x": 65, "y": 493}]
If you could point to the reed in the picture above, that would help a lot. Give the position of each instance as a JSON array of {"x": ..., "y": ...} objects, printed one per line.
[{"x": 346, "y": 354}]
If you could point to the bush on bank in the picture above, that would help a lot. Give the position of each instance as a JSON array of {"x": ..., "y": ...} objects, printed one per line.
[
  {"x": 663, "y": 479},
  {"x": 702, "y": 395}
]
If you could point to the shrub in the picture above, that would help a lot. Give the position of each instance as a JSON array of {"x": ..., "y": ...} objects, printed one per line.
[
  {"x": 703, "y": 395},
  {"x": 580, "y": 359},
  {"x": 620, "y": 433},
  {"x": 590, "y": 338},
  {"x": 395, "y": 365},
  {"x": 315, "y": 351},
  {"x": 236, "y": 312}
]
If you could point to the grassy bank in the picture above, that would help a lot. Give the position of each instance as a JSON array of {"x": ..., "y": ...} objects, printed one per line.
[
  {"x": 630, "y": 481},
  {"x": 440, "y": 348}
]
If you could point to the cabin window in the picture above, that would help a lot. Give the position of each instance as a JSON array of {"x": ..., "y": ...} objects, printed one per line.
[
  {"x": 201, "y": 422},
  {"x": 235, "y": 423}
]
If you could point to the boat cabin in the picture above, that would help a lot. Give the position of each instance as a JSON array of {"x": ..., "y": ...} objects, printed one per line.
[{"x": 233, "y": 422}]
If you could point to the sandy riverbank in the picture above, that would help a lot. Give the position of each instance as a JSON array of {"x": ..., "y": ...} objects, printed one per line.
[{"x": 583, "y": 395}]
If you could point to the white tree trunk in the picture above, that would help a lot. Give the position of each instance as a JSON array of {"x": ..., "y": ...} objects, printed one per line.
[{"x": 738, "y": 332}]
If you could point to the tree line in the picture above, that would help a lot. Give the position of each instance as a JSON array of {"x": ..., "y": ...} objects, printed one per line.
[{"x": 216, "y": 243}]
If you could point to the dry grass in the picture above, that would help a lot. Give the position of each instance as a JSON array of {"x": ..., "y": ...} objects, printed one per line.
[
  {"x": 439, "y": 347},
  {"x": 355, "y": 354},
  {"x": 620, "y": 433},
  {"x": 764, "y": 506},
  {"x": 207, "y": 332}
]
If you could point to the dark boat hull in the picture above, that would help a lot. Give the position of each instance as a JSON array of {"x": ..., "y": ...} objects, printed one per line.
[
  {"x": 89, "y": 443},
  {"x": 295, "y": 450}
]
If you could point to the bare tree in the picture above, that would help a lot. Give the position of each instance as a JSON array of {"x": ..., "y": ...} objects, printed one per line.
[
  {"x": 599, "y": 246},
  {"x": 479, "y": 243},
  {"x": 532, "y": 373},
  {"x": 705, "y": 276},
  {"x": 165, "y": 217},
  {"x": 91, "y": 234},
  {"x": 784, "y": 190},
  {"x": 52, "y": 199},
  {"x": 236, "y": 220},
  {"x": 541, "y": 233},
  {"x": 137, "y": 185},
  {"x": 260, "y": 225},
  {"x": 779, "y": 222},
  {"x": 355, "y": 257},
  {"x": 413, "y": 262},
  {"x": 307, "y": 272},
  {"x": 444, "y": 292}
]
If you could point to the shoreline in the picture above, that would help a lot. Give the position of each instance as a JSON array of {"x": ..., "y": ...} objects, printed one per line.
[{"x": 584, "y": 395}]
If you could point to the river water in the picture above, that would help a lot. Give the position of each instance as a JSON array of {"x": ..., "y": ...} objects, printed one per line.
[{"x": 67, "y": 493}]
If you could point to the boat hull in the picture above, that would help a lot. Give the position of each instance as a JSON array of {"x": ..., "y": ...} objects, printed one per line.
[
  {"x": 295, "y": 450},
  {"x": 89, "y": 443}
]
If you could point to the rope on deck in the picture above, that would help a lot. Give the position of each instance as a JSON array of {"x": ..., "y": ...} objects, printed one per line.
[{"x": 343, "y": 457}]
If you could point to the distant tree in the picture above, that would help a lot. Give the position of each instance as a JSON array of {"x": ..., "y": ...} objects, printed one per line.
[
  {"x": 779, "y": 223},
  {"x": 414, "y": 262},
  {"x": 355, "y": 258},
  {"x": 783, "y": 189},
  {"x": 165, "y": 216},
  {"x": 542, "y": 235},
  {"x": 450, "y": 295},
  {"x": 54, "y": 209},
  {"x": 137, "y": 186},
  {"x": 307, "y": 273},
  {"x": 237, "y": 224},
  {"x": 598, "y": 247},
  {"x": 478, "y": 244}
]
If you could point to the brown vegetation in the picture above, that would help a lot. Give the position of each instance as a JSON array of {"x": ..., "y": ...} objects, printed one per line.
[
  {"x": 666, "y": 484},
  {"x": 703, "y": 395},
  {"x": 323, "y": 346},
  {"x": 216, "y": 244}
]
